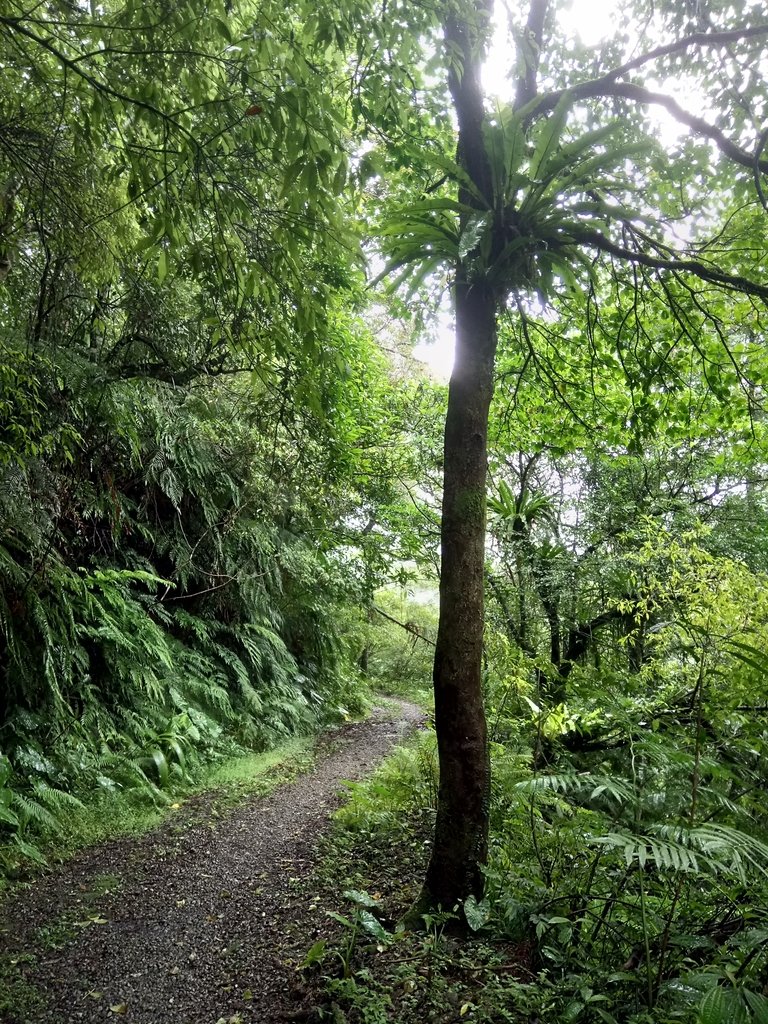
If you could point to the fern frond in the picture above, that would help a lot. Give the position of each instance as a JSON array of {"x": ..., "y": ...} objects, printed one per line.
[
  {"x": 718, "y": 849},
  {"x": 586, "y": 785}
]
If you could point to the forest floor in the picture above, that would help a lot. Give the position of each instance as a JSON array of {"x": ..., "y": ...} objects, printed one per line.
[{"x": 201, "y": 921}]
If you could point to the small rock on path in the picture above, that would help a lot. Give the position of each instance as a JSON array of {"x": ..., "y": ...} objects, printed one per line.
[{"x": 202, "y": 924}]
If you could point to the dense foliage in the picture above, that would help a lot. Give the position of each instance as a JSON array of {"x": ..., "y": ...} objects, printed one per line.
[
  {"x": 221, "y": 477},
  {"x": 200, "y": 443}
]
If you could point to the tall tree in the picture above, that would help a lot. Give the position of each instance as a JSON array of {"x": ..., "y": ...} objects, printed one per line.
[{"x": 562, "y": 189}]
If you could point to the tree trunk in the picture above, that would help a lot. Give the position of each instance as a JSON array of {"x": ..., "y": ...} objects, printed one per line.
[{"x": 461, "y": 830}]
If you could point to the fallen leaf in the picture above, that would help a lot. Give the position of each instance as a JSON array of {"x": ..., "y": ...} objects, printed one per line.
[
  {"x": 119, "y": 1008},
  {"x": 95, "y": 995}
]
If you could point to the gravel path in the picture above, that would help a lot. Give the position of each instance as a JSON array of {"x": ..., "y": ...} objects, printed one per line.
[{"x": 200, "y": 925}]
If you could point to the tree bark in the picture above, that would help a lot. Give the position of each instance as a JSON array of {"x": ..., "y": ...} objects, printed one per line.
[{"x": 461, "y": 830}]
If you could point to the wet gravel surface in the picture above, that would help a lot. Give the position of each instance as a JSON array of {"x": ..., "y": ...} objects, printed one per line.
[{"x": 198, "y": 922}]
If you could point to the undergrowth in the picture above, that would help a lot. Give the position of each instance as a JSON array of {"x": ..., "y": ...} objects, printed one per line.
[
  {"x": 172, "y": 591},
  {"x": 366, "y": 968},
  {"x": 598, "y": 908}
]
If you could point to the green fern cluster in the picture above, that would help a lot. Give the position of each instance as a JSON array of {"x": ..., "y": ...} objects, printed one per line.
[{"x": 163, "y": 596}]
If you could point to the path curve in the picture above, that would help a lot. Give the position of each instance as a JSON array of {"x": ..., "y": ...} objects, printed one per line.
[{"x": 200, "y": 925}]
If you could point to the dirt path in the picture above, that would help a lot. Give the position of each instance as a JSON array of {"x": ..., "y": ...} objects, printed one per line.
[{"x": 188, "y": 926}]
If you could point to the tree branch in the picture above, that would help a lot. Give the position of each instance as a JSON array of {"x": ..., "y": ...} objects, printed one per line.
[
  {"x": 605, "y": 88},
  {"x": 466, "y": 45},
  {"x": 700, "y": 39},
  {"x": 733, "y": 282},
  {"x": 407, "y": 626},
  {"x": 627, "y": 90},
  {"x": 531, "y": 47},
  {"x": 580, "y": 637},
  {"x": 15, "y": 25}
]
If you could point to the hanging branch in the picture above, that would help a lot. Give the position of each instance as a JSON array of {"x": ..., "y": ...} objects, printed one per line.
[
  {"x": 607, "y": 87},
  {"x": 409, "y": 627},
  {"x": 700, "y": 39}
]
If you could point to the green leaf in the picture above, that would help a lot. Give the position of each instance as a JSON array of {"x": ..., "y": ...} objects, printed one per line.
[
  {"x": 29, "y": 850},
  {"x": 223, "y": 28},
  {"x": 340, "y": 918},
  {"x": 549, "y": 135},
  {"x": 477, "y": 914},
  {"x": 472, "y": 233},
  {"x": 372, "y": 926},
  {"x": 161, "y": 763},
  {"x": 8, "y": 816},
  {"x": 758, "y": 1004},
  {"x": 749, "y": 655},
  {"x": 361, "y": 898},
  {"x": 175, "y": 746},
  {"x": 713, "y": 1008},
  {"x": 315, "y": 954},
  {"x": 605, "y": 1016}
]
